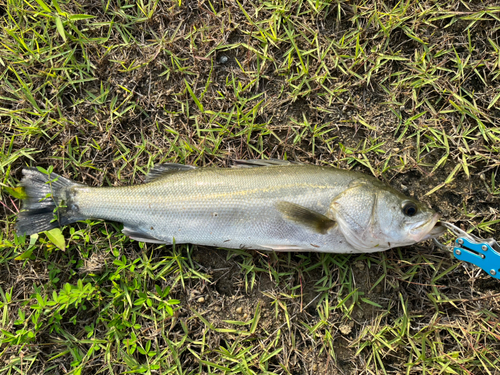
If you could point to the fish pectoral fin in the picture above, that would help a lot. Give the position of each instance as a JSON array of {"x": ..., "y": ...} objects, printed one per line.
[
  {"x": 304, "y": 216},
  {"x": 138, "y": 235},
  {"x": 251, "y": 163},
  {"x": 166, "y": 169}
]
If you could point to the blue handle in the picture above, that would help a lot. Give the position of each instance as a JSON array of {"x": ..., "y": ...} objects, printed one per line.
[{"x": 479, "y": 254}]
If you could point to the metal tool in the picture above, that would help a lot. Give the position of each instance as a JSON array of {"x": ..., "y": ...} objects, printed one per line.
[{"x": 484, "y": 253}]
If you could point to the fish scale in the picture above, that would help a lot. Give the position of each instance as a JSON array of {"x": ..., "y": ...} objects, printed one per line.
[
  {"x": 267, "y": 205},
  {"x": 216, "y": 207}
]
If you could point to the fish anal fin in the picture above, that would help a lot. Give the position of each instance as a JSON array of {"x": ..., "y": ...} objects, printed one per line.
[
  {"x": 166, "y": 169},
  {"x": 278, "y": 247},
  {"x": 138, "y": 235},
  {"x": 251, "y": 163},
  {"x": 306, "y": 217}
]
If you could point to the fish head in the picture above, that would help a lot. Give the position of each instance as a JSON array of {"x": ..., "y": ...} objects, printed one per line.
[
  {"x": 375, "y": 217},
  {"x": 403, "y": 220}
]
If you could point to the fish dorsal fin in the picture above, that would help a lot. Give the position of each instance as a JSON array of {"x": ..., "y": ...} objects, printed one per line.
[
  {"x": 166, "y": 169},
  {"x": 260, "y": 163},
  {"x": 304, "y": 216}
]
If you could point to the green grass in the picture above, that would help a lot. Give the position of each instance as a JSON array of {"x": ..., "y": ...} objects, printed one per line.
[{"x": 102, "y": 91}]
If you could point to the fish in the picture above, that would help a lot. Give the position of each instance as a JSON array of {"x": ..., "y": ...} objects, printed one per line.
[{"x": 272, "y": 205}]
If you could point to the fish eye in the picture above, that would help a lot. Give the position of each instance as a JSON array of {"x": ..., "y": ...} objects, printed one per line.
[{"x": 410, "y": 209}]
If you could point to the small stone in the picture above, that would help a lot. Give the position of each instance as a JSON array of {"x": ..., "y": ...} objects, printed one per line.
[
  {"x": 315, "y": 367},
  {"x": 359, "y": 314},
  {"x": 245, "y": 316},
  {"x": 239, "y": 310},
  {"x": 217, "y": 308},
  {"x": 345, "y": 329},
  {"x": 201, "y": 300},
  {"x": 359, "y": 265},
  {"x": 223, "y": 59}
]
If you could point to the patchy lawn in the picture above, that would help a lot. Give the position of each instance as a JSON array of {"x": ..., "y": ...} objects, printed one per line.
[{"x": 102, "y": 91}]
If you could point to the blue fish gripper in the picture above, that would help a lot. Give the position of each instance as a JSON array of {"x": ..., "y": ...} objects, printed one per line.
[{"x": 481, "y": 254}]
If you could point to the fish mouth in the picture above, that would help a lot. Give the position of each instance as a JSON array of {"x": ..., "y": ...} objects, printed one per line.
[{"x": 429, "y": 229}]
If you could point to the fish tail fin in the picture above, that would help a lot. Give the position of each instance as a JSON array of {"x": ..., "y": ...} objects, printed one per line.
[{"x": 47, "y": 204}]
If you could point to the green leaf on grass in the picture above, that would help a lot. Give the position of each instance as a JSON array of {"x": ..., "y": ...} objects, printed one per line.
[
  {"x": 24, "y": 255},
  {"x": 198, "y": 103},
  {"x": 44, "y": 6},
  {"x": 56, "y": 237},
  {"x": 31, "y": 247},
  {"x": 60, "y": 28},
  {"x": 77, "y": 17},
  {"x": 17, "y": 192}
]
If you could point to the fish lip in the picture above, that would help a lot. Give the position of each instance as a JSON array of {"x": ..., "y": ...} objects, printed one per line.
[
  {"x": 430, "y": 229},
  {"x": 437, "y": 231}
]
